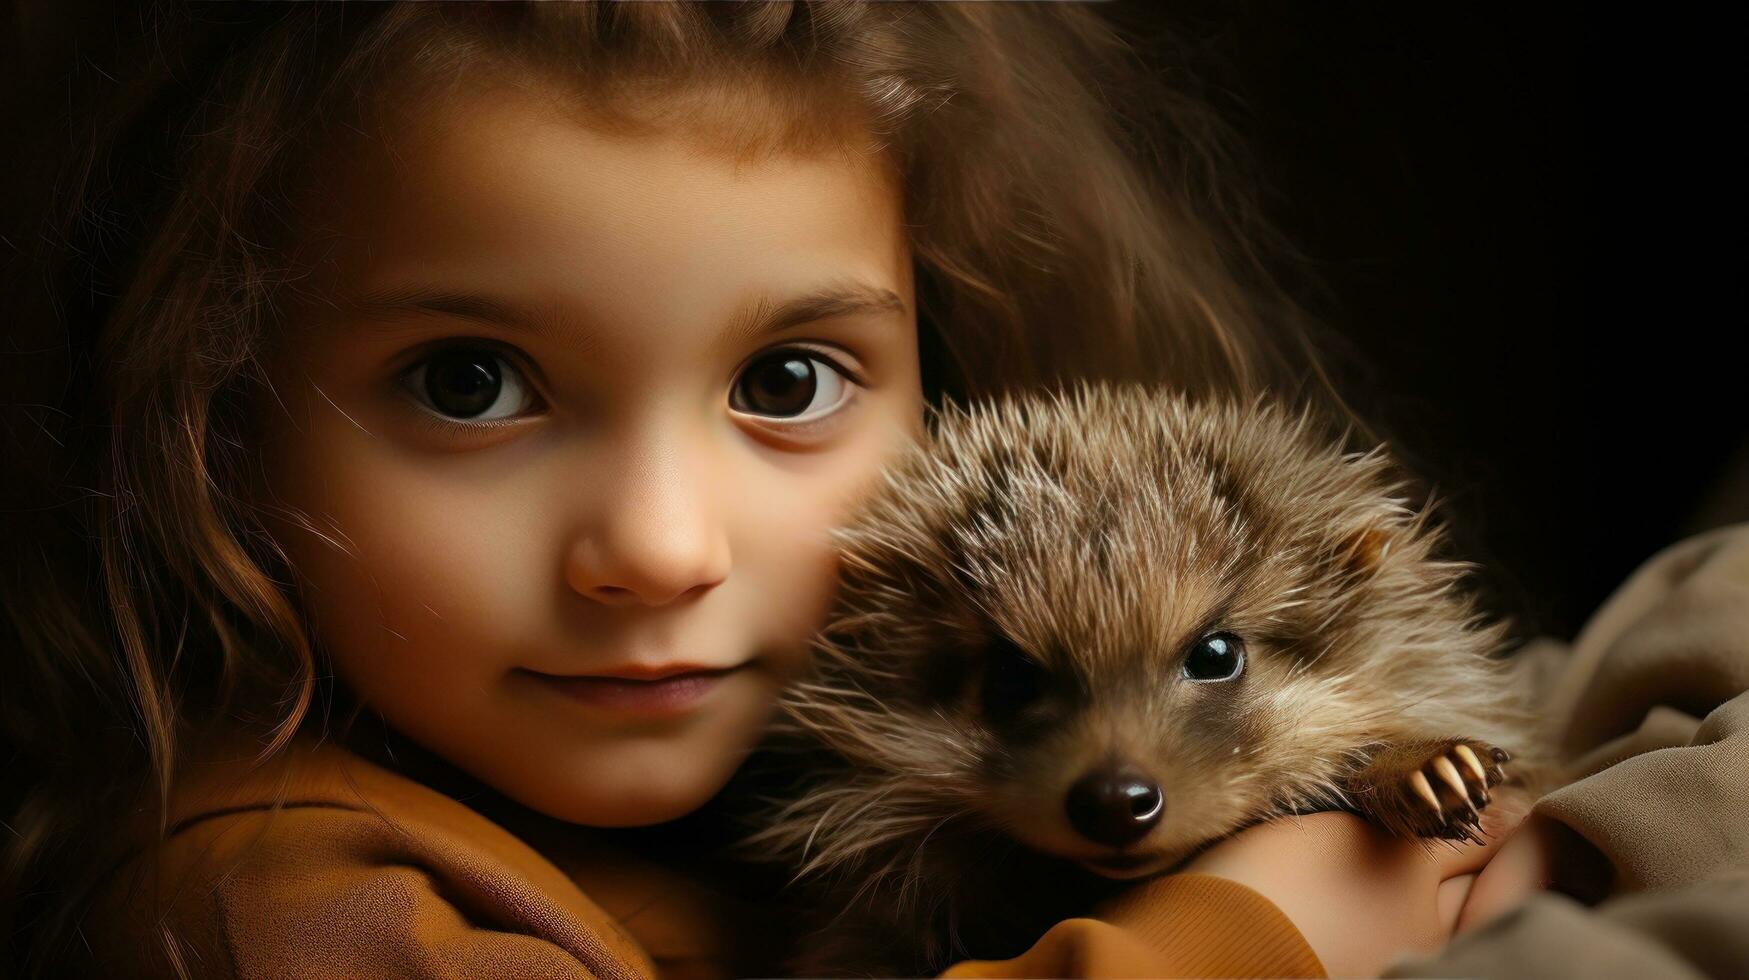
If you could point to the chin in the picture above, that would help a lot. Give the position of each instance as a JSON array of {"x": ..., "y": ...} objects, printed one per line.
[
  {"x": 590, "y": 808},
  {"x": 633, "y": 796},
  {"x": 639, "y": 814},
  {"x": 604, "y": 805}
]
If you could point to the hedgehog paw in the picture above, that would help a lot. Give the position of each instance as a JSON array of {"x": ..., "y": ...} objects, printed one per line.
[{"x": 1439, "y": 790}]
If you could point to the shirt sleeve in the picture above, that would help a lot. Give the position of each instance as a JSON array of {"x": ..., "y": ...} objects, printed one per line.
[
  {"x": 1186, "y": 925},
  {"x": 321, "y": 891}
]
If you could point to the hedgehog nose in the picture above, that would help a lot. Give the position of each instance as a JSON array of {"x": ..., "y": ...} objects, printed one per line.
[{"x": 1114, "y": 806}]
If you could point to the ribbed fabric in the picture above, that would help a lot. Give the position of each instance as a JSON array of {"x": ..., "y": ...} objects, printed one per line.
[{"x": 1189, "y": 925}]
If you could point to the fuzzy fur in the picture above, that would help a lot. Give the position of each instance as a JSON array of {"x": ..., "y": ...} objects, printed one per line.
[{"x": 1101, "y": 531}]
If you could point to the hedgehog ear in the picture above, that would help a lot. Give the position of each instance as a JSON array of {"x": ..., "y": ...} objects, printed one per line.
[{"x": 1364, "y": 549}]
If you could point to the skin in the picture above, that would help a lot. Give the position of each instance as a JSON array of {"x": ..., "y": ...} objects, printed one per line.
[
  {"x": 1329, "y": 871},
  {"x": 629, "y": 511},
  {"x": 626, "y": 512}
]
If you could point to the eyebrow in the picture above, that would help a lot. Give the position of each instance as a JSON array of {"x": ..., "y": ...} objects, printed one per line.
[{"x": 838, "y": 299}]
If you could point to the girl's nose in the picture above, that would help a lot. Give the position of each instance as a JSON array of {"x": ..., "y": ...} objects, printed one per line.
[{"x": 656, "y": 539}]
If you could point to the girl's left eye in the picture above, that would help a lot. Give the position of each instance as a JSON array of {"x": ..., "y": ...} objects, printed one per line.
[
  {"x": 469, "y": 384},
  {"x": 792, "y": 385}
]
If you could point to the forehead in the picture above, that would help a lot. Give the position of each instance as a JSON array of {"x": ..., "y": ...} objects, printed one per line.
[{"x": 512, "y": 187}]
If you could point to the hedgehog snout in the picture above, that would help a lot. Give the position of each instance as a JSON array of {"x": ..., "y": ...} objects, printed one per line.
[{"x": 1114, "y": 804}]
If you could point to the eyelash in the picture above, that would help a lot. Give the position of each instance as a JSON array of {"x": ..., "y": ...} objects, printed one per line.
[
  {"x": 435, "y": 424},
  {"x": 434, "y": 421}
]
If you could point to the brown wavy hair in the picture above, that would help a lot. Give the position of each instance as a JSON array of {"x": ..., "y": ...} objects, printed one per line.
[{"x": 1071, "y": 215}]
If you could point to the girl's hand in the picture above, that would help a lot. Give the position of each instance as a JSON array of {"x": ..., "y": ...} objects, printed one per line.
[
  {"x": 1361, "y": 897},
  {"x": 1541, "y": 854}
]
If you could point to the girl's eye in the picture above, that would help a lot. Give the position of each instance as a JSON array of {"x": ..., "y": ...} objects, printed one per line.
[
  {"x": 469, "y": 384},
  {"x": 790, "y": 385},
  {"x": 1215, "y": 657}
]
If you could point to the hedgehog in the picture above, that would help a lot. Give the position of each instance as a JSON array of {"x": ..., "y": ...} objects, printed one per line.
[{"x": 1081, "y": 633}]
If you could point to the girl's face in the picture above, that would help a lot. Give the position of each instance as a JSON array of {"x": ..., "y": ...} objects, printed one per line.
[{"x": 570, "y": 412}]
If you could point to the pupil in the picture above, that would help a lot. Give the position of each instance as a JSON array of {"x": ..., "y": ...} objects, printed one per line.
[
  {"x": 780, "y": 385},
  {"x": 463, "y": 384},
  {"x": 1214, "y": 657}
]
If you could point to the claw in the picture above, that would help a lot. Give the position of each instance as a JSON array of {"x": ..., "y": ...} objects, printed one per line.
[
  {"x": 1449, "y": 773},
  {"x": 1500, "y": 755},
  {"x": 1418, "y": 782},
  {"x": 1468, "y": 756}
]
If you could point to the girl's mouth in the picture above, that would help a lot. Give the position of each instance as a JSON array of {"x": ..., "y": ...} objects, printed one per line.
[{"x": 670, "y": 694}]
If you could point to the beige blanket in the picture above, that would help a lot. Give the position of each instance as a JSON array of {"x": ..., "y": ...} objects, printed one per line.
[{"x": 1654, "y": 702}]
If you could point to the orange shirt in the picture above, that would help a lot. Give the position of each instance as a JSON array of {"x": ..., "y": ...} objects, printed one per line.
[{"x": 321, "y": 863}]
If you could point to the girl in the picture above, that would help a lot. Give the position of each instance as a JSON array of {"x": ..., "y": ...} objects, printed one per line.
[{"x": 456, "y": 402}]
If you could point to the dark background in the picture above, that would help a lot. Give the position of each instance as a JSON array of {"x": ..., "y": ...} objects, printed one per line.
[{"x": 1528, "y": 225}]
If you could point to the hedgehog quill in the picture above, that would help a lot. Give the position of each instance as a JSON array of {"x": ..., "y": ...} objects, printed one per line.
[{"x": 1080, "y": 635}]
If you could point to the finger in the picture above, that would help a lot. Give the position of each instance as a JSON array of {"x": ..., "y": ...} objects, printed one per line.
[
  {"x": 1521, "y": 868},
  {"x": 1542, "y": 854},
  {"x": 1452, "y": 897}
]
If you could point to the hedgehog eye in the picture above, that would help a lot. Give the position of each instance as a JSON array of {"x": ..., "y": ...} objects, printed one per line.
[
  {"x": 1012, "y": 679},
  {"x": 1218, "y": 656}
]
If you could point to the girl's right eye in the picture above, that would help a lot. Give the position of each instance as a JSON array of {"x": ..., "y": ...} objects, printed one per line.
[{"x": 470, "y": 384}]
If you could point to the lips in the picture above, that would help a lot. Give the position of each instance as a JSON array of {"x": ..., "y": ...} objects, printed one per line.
[
  {"x": 663, "y": 689},
  {"x": 656, "y": 672}
]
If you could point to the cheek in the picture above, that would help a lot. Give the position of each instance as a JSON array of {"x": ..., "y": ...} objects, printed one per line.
[
  {"x": 1301, "y": 728},
  {"x": 428, "y": 579},
  {"x": 787, "y": 565},
  {"x": 413, "y": 582},
  {"x": 785, "y": 553}
]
